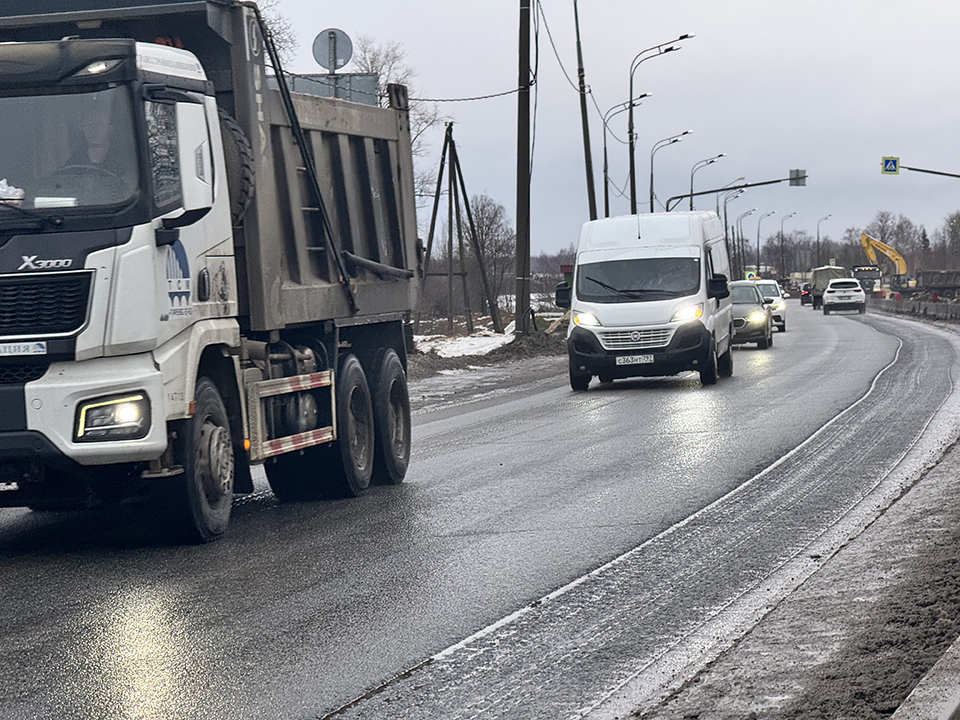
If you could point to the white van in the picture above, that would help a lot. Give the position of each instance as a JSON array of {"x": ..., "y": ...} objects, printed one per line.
[{"x": 649, "y": 298}]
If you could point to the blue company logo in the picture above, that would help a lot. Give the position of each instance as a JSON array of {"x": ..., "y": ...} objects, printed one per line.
[{"x": 179, "y": 287}]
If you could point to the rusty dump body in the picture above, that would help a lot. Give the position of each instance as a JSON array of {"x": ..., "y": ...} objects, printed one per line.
[{"x": 292, "y": 271}]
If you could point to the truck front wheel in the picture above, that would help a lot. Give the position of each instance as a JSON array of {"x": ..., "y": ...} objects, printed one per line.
[{"x": 199, "y": 500}]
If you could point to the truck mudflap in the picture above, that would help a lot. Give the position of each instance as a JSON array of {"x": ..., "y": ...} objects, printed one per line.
[{"x": 686, "y": 351}]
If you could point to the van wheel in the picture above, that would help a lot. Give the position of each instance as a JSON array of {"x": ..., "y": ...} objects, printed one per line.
[
  {"x": 391, "y": 413},
  {"x": 710, "y": 372},
  {"x": 725, "y": 363},
  {"x": 578, "y": 381}
]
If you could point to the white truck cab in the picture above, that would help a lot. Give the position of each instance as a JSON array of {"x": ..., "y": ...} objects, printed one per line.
[{"x": 649, "y": 298}]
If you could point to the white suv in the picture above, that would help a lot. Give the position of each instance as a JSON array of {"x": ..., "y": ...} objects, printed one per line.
[{"x": 844, "y": 294}]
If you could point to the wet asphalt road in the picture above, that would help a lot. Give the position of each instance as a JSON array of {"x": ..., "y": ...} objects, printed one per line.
[{"x": 517, "y": 487}]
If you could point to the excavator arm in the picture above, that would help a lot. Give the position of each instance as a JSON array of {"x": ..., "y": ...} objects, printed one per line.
[{"x": 871, "y": 245}]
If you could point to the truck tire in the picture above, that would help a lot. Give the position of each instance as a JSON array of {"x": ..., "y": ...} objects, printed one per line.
[
  {"x": 710, "y": 372},
  {"x": 239, "y": 161},
  {"x": 198, "y": 501},
  {"x": 352, "y": 466},
  {"x": 391, "y": 420}
]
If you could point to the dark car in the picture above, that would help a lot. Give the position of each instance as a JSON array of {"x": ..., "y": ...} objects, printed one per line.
[
  {"x": 752, "y": 319},
  {"x": 805, "y": 297}
]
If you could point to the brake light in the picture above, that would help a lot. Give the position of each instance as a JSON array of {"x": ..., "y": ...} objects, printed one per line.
[
  {"x": 831, "y": 291},
  {"x": 859, "y": 290}
]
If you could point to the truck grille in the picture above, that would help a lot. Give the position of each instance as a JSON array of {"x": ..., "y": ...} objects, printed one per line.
[
  {"x": 636, "y": 339},
  {"x": 46, "y": 304},
  {"x": 17, "y": 374}
]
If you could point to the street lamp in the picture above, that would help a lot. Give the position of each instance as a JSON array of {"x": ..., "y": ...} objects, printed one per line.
[
  {"x": 740, "y": 244},
  {"x": 733, "y": 190},
  {"x": 660, "y": 49},
  {"x": 659, "y": 144},
  {"x": 615, "y": 110},
  {"x": 772, "y": 212},
  {"x": 728, "y": 196},
  {"x": 783, "y": 270},
  {"x": 825, "y": 217},
  {"x": 697, "y": 166}
]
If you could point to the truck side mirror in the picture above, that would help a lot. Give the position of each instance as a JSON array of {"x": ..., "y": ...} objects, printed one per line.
[
  {"x": 717, "y": 287},
  {"x": 564, "y": 295},
  {"x": 169, "y": 231}
]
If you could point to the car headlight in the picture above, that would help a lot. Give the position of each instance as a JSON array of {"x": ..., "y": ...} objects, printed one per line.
[
  {"x": 757, "y": 317},
  {"x": 120, "y": 417},
  {"x": 688, "y": 313},
  {"x": 585, "y": 318}
]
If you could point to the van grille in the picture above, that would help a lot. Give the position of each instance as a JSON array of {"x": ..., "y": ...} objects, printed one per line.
[
  {"x": 636, "y": 339},
  {"x": 48, "y": 304}
]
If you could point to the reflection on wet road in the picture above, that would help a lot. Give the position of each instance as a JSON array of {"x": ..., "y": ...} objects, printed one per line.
[{"x": 515, "y": 490}]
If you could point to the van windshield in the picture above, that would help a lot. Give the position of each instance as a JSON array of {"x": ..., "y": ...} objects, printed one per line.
[{"x": 638, "y": 280}]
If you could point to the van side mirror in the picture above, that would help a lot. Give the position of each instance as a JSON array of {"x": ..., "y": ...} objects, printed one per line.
[
  {"x": 717, "y": 287},
  {"x": 564, "y": 295}
]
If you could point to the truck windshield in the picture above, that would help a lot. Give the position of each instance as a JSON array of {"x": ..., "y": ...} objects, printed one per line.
[
  {"x": 638, "y": 279},
  {"x": 66, "y": 151}
]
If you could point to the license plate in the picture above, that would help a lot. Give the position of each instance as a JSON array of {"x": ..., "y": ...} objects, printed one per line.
[
  {"x": 26, "y": 348},
  {"x": 634, "y": 359}
]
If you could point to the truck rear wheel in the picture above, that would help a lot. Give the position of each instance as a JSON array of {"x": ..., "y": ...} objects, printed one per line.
[
  {"x": 391, "y": 412},
  {"x": 352, "y": 468},
  {"x": 198, "y": 501}
]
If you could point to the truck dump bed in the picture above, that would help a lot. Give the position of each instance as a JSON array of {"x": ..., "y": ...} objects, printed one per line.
[{"x": 289, "y": 266}]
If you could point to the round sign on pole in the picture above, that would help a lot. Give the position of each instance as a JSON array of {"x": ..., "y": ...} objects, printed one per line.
[{"x": 332, "y": 49}]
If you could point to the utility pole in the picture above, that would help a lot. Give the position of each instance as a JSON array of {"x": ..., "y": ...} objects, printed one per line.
[
  {"x": 587, "y": 155},
  {"x": 523, "y": 173}
]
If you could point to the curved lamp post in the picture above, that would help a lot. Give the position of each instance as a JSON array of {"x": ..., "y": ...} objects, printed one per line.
[
  {"x": 825, "y": 217},
  {"x": 615, "y": 110},
  {"x": 728, "y": 196},
  {"x": 760, "y": 220},
  {"x": 740, "y": 242},
  {"x": 697, "y": 166},
  {"x": 660, "y": 144},
  {"x": 783, "y": 270},
  {"x": 658, "y": 50}
]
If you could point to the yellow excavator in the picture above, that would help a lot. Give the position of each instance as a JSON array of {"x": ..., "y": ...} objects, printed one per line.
[{"x": 900, "y": 281}]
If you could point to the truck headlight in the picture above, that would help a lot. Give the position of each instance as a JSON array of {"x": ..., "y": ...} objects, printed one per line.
[
  {"x": 585, "y": 318},
  {"x": 688, "y": 313},
  {"x": 120, "y": 417}
]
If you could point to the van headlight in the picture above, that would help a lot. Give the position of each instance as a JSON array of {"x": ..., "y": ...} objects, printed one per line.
[
  {"x": 688, "y": 313},
  {"x": 585, "y": 318},
  {"x": 118, "y": 417}
]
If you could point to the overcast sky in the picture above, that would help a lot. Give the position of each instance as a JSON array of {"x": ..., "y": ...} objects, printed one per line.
[{"x": 829, "y": 86}]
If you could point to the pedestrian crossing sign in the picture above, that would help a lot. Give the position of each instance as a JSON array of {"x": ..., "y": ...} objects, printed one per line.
[{"x": 891, "y": 166}]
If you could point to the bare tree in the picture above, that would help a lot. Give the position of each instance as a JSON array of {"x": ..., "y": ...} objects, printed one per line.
[
  {"x": 280, "y": 28},
  {"x": 389, "y": 62}
]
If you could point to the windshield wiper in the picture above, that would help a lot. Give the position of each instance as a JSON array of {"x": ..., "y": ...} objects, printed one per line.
[
  {"x": 630, "y": 293},
  {"x": 52, "y": 221}
]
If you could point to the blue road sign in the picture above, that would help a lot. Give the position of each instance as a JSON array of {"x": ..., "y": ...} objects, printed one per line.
[{"x": 891, "y": 166}]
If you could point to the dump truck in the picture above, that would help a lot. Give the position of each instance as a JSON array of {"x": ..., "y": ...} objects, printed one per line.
[
  {"x": 819, "y": 279},
  {"x": 199, "y": 274}
]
